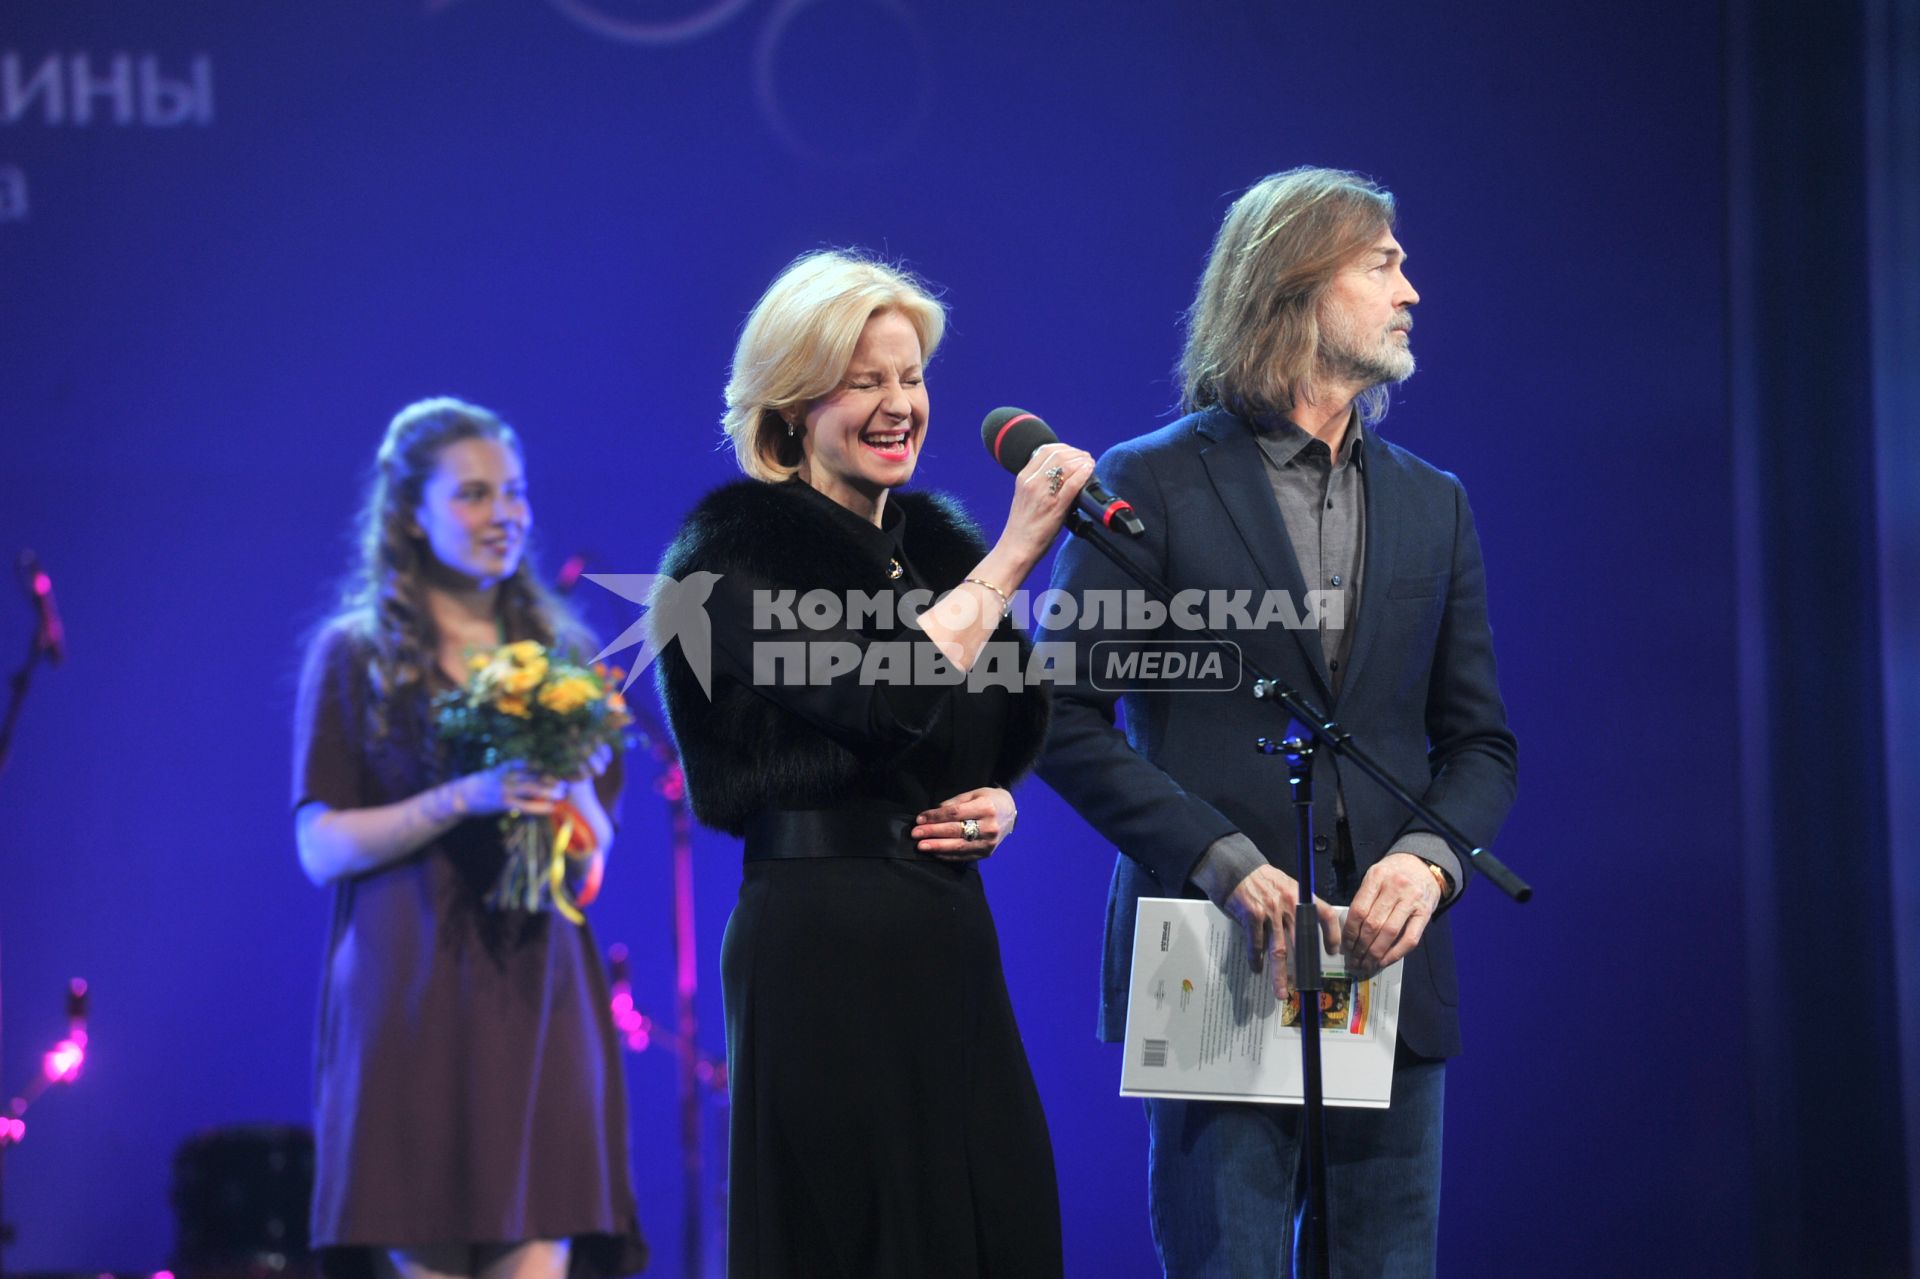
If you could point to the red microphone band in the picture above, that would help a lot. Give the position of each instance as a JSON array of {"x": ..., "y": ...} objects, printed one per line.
[
  {"x": 1114, "y": 507},
  {"x": 1008, "y": 426}
]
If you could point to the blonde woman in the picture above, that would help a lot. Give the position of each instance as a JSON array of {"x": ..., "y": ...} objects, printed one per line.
[{"x": 885, "y": 1121}]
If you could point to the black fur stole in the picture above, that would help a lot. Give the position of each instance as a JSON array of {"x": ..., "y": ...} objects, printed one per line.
[{"x": 742, "y": 752}]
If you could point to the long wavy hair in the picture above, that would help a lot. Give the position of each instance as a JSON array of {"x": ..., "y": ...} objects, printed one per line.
[
  {"x": 1253, "y": 331},
  {"x": 383, "y": 599}
]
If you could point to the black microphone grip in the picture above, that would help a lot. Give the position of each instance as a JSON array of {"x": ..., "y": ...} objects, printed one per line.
[{"x": 1012, "y": 435}]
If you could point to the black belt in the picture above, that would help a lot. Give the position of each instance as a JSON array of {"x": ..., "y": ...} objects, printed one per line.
[{"x": 831, "y": 832}]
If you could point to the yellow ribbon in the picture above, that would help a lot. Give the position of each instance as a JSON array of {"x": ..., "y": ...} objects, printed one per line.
[{"x": 572, "y": 838}]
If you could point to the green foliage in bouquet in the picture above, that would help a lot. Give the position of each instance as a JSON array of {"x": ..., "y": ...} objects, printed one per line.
[{"x": 521, "y": 703}]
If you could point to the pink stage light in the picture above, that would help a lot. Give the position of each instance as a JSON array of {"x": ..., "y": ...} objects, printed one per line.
[
  {"x": 12, "y": 1131},
  {"x": 62, "y": 1065},
  {"x": 632, "y": 1024}
]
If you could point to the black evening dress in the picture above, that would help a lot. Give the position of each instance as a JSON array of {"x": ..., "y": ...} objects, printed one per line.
[
  {"x": 469, "y": 1086},
  {"x": 884, "y": 1121}
]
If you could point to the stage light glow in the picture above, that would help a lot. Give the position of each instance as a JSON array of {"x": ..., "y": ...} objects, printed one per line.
[
  {"x": 62, "y": 1064},
  {"x": 673, "y": 784}
]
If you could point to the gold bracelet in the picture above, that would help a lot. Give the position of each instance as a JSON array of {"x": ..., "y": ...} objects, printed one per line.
[
  {"x": 1006, "y": 605},
  {"x": 1440, "y": 877}
]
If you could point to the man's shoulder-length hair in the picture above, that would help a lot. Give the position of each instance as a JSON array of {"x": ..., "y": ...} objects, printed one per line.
[{"x": 1253, "y": 329}]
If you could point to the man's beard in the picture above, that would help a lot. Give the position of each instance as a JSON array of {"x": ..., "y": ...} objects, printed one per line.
[{"x": 1348, "y": 356}]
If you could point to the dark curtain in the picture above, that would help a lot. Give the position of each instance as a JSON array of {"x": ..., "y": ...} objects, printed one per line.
[
  {"x": 1893, "y": 142},
  {"x": 1821, "y": 114}
]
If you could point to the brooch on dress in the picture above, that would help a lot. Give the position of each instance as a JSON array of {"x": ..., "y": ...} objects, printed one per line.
[{"x": 894, "y": 571}]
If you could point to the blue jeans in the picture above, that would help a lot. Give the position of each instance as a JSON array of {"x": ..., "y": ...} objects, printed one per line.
[{"x": 1222, "y": 1177}]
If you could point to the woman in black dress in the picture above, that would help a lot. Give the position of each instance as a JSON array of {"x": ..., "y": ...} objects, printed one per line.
[
  {"x": 885, "y": 1121},
  {"x": 470, "y": 1104}
]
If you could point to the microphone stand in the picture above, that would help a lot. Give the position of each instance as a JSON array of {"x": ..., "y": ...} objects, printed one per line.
[
  {"x": 1310, "y": 1222},
  {"x": 697, "y": 1073},
  {"x": 62, "y": 1065},
  {"x": 672, "y": 787},
  {"x": 1313, "y": 1247},
  {"x": 17, "y": 696},
  {"x": 6, "y": 1139},
  {"x": 16, "y": 699},
  {"x": 696, "y": 1070}
]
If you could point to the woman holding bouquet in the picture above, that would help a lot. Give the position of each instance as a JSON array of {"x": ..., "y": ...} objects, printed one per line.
[
  {"x": 884, "y": 1118},
  {"x": 470, "y": 1106}
]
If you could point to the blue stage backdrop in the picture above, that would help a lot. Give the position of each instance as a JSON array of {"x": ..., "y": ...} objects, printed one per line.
[{"x": 235, "y": 237}]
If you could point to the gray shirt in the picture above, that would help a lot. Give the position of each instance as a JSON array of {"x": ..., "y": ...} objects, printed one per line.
[{"x": 1323, "y": 501}]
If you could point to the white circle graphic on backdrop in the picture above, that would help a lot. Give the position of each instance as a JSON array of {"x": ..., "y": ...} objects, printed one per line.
[
  {"x": 605, "y": 17},
  {"x": 898, "y": 53}
]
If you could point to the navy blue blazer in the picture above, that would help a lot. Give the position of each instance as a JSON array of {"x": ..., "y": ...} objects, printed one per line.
[{"x": 1419, "y": 695}]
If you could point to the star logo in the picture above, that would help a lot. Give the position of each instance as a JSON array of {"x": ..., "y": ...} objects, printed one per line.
[{"x": 671, "y": 609}]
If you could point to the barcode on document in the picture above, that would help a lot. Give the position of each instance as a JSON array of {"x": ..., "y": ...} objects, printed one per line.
[{"x": 1155, "y": 1053}]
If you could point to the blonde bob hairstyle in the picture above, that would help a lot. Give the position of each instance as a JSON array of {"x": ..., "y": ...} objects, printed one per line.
[
  {"x": 797, "y": 344},
  {"x": 1253, "y": 331}
]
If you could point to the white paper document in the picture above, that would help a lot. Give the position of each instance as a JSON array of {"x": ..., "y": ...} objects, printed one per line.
[{"x": 1202, "y": 1022}]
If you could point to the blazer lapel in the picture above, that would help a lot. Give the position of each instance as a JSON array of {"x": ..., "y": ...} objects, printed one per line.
[
  {"x": 1383, "y": 482},
  {"x": 1239, "y": 473}
]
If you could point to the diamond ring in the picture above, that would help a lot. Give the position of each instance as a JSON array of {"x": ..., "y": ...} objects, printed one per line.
[
  {"x": 970, "y": 830},
  {"x": 1056, "y": 476}
]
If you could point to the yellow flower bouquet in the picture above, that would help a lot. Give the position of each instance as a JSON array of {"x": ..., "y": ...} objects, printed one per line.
[{"x": 523, "y": 703}]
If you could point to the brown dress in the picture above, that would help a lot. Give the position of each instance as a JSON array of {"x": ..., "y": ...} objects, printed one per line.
[{"x": 469, "y": 1085}]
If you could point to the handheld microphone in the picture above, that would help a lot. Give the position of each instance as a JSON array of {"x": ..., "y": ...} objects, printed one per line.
[
  {"x": 51, "y": 638},
  {"x": 1012, "y": 435}
]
